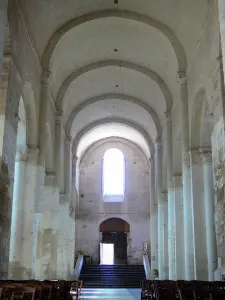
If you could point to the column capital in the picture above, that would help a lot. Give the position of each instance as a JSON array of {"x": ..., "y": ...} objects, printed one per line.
[
  {"x": 164, "y": 191},
  {"x": 151, "y": 159},
  {"x": 58, "y": 115},
  {"x": 195, "y": 155},
  {"x": 182, "y": 77},
  {"x": 168, "y": 114},
  {"x": 206, "y": 155},
  {"x": 45, "y": 76},
  {"x": 75, "y": 158},
  {"x": 158, "y": 143},
  {"x": 21, "y": 155},
  {"x": 177, "y": 180},
  {"x": 49, "y": 178},
  {"x": 33, "y": 154},
  {"x": 68, "y": 140}
]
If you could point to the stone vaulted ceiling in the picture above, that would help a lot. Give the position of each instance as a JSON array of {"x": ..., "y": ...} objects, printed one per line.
[{"x": 114, "y": 65}]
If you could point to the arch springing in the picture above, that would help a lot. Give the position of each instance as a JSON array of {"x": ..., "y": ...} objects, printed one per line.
[{"x": 113, "y": 175}]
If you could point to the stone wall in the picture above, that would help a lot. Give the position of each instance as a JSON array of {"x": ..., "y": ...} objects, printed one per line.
[{"x": 135, "y": 208}]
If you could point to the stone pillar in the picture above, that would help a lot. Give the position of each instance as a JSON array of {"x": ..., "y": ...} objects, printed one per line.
[
  {"x": 59, "y": 156},
  {"x": 73, "y": 203},
  {"x": 50, "y": 229},
  {"x": 3, "y": 20},
  {"x": 158, "y": 176},
  {"x": 170, "y": 190},
  {"x": 63, "y": 242},
  {"x": 164, "y": 231},
  {"x": 221, "y": 5},
  {"x": 16, "y": 239},
  {"x": 188, "y": 219},
  {"x": 153, "y": 218},
  {"x": 209, "y": 213},
  {"x": 67, "y": 176},
  {"x": 197, "y": 200},
  {"x": 29, "y": 213},
  {"x": 179, "y": 226}
]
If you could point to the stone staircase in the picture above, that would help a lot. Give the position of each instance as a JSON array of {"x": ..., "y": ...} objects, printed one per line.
[{"x": 112, "y": 276}]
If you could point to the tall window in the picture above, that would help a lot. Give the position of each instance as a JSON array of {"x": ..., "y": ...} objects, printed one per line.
[{"x": 113, "y": 175}]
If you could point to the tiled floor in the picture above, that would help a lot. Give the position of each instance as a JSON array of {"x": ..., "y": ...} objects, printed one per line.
[{"x": 111, "y": 294}]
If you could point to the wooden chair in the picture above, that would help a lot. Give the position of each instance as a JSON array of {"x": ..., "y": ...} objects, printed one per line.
[
  {"x": 201, "y": 295},
  {"x": 217, "y": 295},
  {"x": 146, "y": 289},
  {"x": 23, "y": 293},
  {"x": 165, "y": 289},
  {"x": 74, "y": 291}
]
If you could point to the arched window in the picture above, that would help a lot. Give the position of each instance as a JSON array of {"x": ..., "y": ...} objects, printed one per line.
[{"x": 113, "y": 175}]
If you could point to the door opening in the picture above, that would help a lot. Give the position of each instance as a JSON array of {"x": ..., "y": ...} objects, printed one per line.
[{"x": 106, "y": 254}]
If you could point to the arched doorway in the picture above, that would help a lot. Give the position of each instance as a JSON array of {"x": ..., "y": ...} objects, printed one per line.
[{"x": 113, "y": 246}]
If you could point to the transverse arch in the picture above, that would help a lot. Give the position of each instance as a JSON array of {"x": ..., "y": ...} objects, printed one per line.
[
  {"x": 119, "y": 63},
  {"x": 122, "y": 97},
  {"x": 167, "y": 32}
]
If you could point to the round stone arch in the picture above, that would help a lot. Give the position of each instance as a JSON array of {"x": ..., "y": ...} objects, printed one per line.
[
  {"x": 114, "y": 225},
  {"x": 122, "y": 97},
  {"x": 119, "y": 63},
  {"x": 103, "y": 121},
  {"x": 101, "y": 142},
  {"x": 163, "y": 29}
]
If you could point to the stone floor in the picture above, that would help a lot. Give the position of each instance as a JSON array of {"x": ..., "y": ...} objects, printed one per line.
[{"x": 108, "y": 294}]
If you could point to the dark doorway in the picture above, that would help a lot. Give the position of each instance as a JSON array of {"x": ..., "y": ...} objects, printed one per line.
[{"x": 114, "y": 231}]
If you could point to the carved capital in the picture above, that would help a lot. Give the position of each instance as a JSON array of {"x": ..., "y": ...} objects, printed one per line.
[
  {"x": 195, "y": 155},
  {"x": 167, "y": 114},
  {"x": 21, "y": 155},
  {"x": 177, "y": 180},
  {"x": 45, "y": 76},
  {"x": 206, "y": 155},
  {"x": 158, "y": 143},
  {"x": 50, "y": 178},
  {"x": 68, "y": 140},
  {"x": 33, "y": 154},
  {"x": 182, "y": 77},
  {"x": 58, "y": 116}
]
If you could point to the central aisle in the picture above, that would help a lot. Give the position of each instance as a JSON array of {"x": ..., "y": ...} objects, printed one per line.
[{"x": 108, "y": 294}]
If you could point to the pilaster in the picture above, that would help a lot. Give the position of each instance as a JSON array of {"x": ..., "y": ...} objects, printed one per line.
[
  {"x": 16, "y": 239},
  {"x": 209, "y": 205},
  {"x": 179, "y": 226},
  {"x": 153, "y": 217},
  {"x": 188, "y": 220},
  {"x": 29, "y": 213},
  {"x": 197, "y": 201}
]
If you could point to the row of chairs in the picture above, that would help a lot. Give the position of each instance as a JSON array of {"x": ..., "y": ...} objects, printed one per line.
[
  {"x": 40, "y": 290},
  {"x": 182, "y": 290}
]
